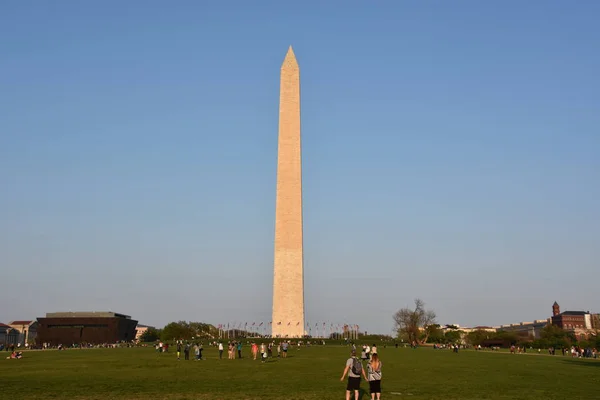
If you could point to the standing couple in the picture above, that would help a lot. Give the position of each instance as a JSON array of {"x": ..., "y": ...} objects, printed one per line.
[{"x": 354, "y": 369}]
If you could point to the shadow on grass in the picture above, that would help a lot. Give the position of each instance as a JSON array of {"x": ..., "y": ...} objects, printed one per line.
[
  {"x": 363, "y": 393},
  {"x": 583, "y": 363}
]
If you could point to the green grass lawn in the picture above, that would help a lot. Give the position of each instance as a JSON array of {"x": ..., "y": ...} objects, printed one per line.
[{"x": 309, "y": 373}]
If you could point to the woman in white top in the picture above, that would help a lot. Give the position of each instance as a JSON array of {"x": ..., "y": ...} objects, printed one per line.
[{"x": 374, "y": 377}]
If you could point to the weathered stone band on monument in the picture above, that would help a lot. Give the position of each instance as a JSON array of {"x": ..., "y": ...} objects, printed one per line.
[{"x": 288, "y": 274}]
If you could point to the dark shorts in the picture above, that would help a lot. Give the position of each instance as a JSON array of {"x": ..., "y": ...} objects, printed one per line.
[
  {"x": 375, "y": 386},
  {"x": 353, "y": 384}
]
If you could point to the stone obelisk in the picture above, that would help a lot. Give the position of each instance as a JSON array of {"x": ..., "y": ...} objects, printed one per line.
[{"x": 288, "y": 279}]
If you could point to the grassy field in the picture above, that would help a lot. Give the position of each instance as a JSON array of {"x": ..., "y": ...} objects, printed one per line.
[{"x": 309, "y": 373}]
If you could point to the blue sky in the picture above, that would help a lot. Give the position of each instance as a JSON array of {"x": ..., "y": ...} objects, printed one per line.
[{"x": 450, "y": 152}]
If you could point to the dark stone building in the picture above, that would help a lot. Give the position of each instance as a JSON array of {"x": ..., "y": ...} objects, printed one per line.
[{"x": 67, "y": 328}]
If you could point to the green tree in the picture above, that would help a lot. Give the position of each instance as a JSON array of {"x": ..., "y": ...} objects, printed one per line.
[
  {"x": 177, "y": 331},
  {"x": 509, "y": 338},
  {"x": 204, "y": 330},
  {"x": 453, "y": 336},
  {"x": 554, "y": 336},
  {"x": 151, "y": 335},
  {"x": 435, "y": 334},
  {"x": 477, "y": 337}
]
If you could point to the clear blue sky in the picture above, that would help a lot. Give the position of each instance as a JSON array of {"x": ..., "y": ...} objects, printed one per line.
[{"x": 451, "y": 152}]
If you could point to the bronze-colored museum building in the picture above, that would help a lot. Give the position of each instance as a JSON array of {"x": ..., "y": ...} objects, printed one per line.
[{"x": 69, "y": 328}]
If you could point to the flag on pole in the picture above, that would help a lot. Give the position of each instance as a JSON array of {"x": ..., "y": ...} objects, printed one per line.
[{"x": 261, "y": 324}]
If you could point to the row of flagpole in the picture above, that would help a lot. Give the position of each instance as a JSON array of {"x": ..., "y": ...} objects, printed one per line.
[{"x": 318, "y": 330}]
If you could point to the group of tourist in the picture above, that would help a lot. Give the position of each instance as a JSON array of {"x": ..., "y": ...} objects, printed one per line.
[
  {"x": 581, "y": 352},
  {"x": 266, "y": 350},
  {"x": 198, "y": 348},
  {"x": 366, "y": 351},
  {"x": 233, "y": 348},
  {"x": 574, "y": 351}
]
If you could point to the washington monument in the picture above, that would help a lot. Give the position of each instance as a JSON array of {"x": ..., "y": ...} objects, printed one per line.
[{"x": 288, "y": 279}]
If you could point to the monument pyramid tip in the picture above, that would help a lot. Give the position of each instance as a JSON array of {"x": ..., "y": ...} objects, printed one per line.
[{"x": 290, "y": 58}]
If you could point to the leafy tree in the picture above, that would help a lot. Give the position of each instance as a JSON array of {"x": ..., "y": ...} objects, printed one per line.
[
  {"x": 414, "y": 323},
  {"x": 177, "y": 331},
  {"x": 477, "y": 337},
  {"x": 507, "y": 337},
  {"x": 187, "y": 330},
  {"x": 453, "y": 336},
  {"x": 435, "y": 334},
  {"x": 151, "y": 335},
  {"x": 554, "y": 336}
]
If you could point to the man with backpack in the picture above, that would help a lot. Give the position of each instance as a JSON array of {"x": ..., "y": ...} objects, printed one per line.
[{"x": 354, "y": 369}]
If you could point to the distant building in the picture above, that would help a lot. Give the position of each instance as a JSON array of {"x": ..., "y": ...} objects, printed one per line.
[
  {"x": 581, "y": 323},
  {"x": 484, "y": 328},
  {"x": 596, "y": 322},
  {"x": 479, "y": 328},
  {"x": 27, "y": 330},
  {"x": 8, "y": 335},
  {"x": 465, "y": 330},
  {"x": 141, "y": 329},
  {"x": 69, "y": 328},
  {"x": 531, "y": 329}
]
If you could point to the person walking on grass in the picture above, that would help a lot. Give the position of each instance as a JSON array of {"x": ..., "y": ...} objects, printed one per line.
[
  {"x": 186, "y": 351},
  {"x": 263, "y": 352},
  {"x": 239, "y": 349},
  {"x": 220, "y": 350},
  {"x": 354, "y": 369},
  {"x": 178, "y": 350},
  {"x": 200, "y": 348},
  {"x": 374, "y": 377},
  {"x": 230, "y": 350},
  {"x": 284, "y": 348},
  {"x": 254, "y": 350}
]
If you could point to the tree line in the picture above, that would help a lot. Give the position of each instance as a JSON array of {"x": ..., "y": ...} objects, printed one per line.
[
  {"x": 180, "y": 330},
  {"x": 419, "y": 325}
]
